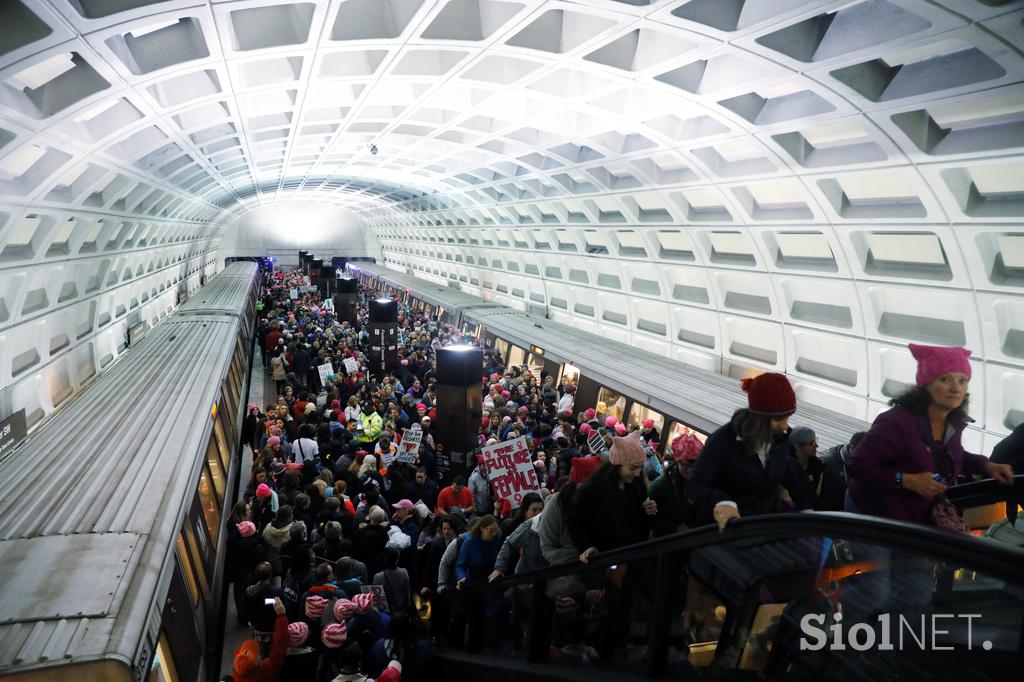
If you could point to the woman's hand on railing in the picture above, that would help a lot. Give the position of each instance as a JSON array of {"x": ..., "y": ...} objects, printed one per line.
[
  {"x": 1001, "y": 472},
  {"x": 495, "y": 574},
  {"x": 723, "y": 513},
  {"x": 587, "y": 554}
]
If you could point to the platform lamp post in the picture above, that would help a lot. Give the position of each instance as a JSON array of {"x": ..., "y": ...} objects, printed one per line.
[
  {"x": 460, "y": 400},
  {"x": 383, "y": 330}
]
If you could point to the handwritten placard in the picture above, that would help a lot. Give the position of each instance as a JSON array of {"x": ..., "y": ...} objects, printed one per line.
[{"x": 510, "y": 470}]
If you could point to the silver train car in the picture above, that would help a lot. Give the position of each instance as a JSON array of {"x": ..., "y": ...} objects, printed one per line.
[
  {"x": 112, "y": 541},
  {"x": 629, "y": 383},
  {"x": 613, "y": 378},
  {"x": 443, "y": 303}
]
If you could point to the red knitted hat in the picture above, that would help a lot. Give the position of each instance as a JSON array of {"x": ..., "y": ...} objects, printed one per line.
[
  {"x": 582, "y": 467},
  {"x": 770, "y": 395}
]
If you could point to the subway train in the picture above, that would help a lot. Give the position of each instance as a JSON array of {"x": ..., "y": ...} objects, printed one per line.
[
  {"x": 615, "y": 379},
  {"x": 112, "y": 525}
]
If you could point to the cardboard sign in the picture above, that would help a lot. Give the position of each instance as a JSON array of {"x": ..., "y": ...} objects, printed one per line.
[
  {"x": 308, "y": 290},
  {"x": 325, "y": 371},
  {"x": 293, "y": 294},
  {"x": 510, "y": 470},
  {"x": 595, "y": 442},
  {"x": 351, "y": 366},
  {"x": 379, "y": 596},
  {"x": 410, "y": 445},
  {"x": 329, "y": 305},
  {"x": 387, "y": 457}
]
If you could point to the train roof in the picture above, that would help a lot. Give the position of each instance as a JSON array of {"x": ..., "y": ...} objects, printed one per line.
[
  {"x": 89, "y": 515},
  {"x": 225, "y": 293},
  {"x": 705, "y": 400},
  {"x": 428, "y": 292}
]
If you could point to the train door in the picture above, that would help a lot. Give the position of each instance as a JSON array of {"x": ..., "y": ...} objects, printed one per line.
[
  {"x": 586, "y": 393},
  {"x": 178, "y": 653}
]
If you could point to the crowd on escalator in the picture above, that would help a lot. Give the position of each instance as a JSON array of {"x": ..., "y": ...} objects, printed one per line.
[{"x": 350, "y": 563}]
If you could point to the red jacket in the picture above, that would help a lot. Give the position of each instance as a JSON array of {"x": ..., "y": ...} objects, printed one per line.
[{"x": 269, "y": 669}]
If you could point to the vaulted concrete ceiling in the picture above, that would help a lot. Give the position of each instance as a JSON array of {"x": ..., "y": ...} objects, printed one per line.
[{"x": 800, "y": 185}]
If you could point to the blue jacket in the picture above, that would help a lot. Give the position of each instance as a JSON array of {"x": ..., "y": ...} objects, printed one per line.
[{"x": 476, "y": 559}]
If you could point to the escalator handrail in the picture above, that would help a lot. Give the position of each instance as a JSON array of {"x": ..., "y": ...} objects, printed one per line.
[
  {"x": 995, "y": 559},
  {"x": 986, "y": 491}
]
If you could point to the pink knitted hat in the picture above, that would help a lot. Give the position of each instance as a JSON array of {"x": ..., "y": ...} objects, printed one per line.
[
  {"x": 246, "y": 529},
  {"x": 363, "y": 602},
  {"x": 620, "y": 429},
  {"x": 315, "y": 606},
  {"x": 297, "y": 634},
  {"x": 343, "y": 609},
  {"x": 686, "y": 448},
  {"x": 610, "y": 421},
  {"x": 589, "y": 413},
  {"x": 627, "y": 450},
  {"x": 334, "y": 635},
  {"x": 934, "y": 361}
]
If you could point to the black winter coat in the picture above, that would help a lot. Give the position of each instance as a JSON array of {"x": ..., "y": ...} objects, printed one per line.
[
  {"x": 674, "y": 509},
  {"x": 724, "y": 471},
  {"x": 607, "y": 516}
]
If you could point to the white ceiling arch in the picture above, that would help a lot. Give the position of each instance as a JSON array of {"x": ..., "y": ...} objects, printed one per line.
[{"x": 801, "y": 185}]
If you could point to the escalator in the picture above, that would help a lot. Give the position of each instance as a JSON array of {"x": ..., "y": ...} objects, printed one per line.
[{"x": 809, "y": 596}]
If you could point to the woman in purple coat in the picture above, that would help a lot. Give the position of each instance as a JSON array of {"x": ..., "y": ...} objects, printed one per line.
[
  {"x": 908, "y": 458},
  {"x": 912, "y": 452}
]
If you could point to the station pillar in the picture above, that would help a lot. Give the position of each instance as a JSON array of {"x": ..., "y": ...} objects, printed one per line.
[
  {"x": 460, "y": 401},
  {"x": 326, "y": 282},
  {"x": 383, "y": 330},
  {"x": 346, "y": 299}
]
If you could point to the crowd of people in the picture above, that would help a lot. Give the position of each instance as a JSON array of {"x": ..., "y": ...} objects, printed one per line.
[{"x": 348, "y": 562}]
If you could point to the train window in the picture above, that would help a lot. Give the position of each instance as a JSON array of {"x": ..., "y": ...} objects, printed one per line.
[
  {"x": 163, "y": 669},
  {"x": 610, "y": 404},
  {"x": 535, "y": 363},
  {"x": 188, "y": 570},
  {"x": 570, "y": 374},
  {"x": 501, "y": 346},
  {"x": 209, "y": 504},
  {"x": 638, "y": 413},
  {"x": 215, "y": 465},
  {"x": 516, "y": 356},
  {"x": 223, "y": 444},
  {"x": 677, "y": 429}
]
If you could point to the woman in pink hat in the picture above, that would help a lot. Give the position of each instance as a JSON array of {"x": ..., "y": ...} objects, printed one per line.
[{"x": 913, "y": 453}]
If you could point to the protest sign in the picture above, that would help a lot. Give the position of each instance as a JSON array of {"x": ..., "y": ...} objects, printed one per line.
[
  {"x": 595, "y": 442},
  {"x": 308, "y": 290},
  {"x": 293, "y": 294},
  {"x": 386, "y": 458},
  {"x": 410, "y": 445},
  {"x": 329, "y": 305},
  {"x": 379, "y": 596},
  {"x": 351, "y": 366},
  {"x": 510, "y": 469},
  {"x": 325, "y": 371}
]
